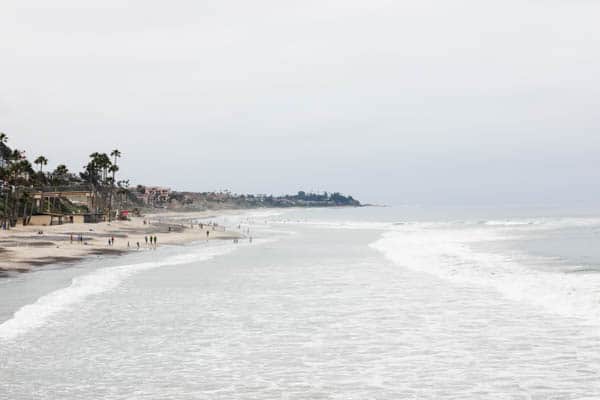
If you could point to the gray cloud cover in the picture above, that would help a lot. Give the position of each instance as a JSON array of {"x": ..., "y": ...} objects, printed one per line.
[{"x": 394, "y": 101}]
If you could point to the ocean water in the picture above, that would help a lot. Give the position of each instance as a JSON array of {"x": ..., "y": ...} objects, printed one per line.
[{"x": 367, "y": 303}]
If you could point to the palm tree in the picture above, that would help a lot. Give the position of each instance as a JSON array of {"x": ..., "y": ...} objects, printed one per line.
[
  {"x": 41, "y": 161},
  {"x": 116, "y": 154},
  {"x": 19, "y": 172},
  {"x": 4, "y": 150},
  {"x": 3, "y": 140},
  {"x": 91, "y": 173},
  {"x": 114, "y": 168},
  {"x": 61, "y": 170},
  {"x": 103, "y": 163},
  {"x": 60, "y": 175},
  {"x": 97, "y": 168},
  {"x": 17, "y": 155}
]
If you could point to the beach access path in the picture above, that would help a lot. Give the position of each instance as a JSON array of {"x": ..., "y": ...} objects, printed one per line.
[{"x": 24, "y": 248}]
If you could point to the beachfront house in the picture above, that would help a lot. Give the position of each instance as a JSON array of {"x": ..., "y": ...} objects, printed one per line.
[
  {"x": 62, "y": 205},
  {"x": 153, "y": 195}
]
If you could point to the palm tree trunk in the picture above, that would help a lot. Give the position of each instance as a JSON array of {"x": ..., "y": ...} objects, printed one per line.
[
  {"x": 25, "y": 206},
  {"x": 5, "y": 213},
  {"x": 30, "y": 211},
  {"x": 15, "y": 209},
  {"x": 110, "y": 200}
]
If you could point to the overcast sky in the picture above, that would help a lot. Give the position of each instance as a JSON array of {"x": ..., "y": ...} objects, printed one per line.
[{"x": 466, "y": 102}]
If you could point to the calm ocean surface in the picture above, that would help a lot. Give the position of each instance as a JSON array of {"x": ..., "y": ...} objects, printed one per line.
[{"x": 368, "y": 303}]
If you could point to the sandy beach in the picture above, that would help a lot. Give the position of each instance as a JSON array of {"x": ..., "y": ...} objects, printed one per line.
[{"x": 24, "y": 248}]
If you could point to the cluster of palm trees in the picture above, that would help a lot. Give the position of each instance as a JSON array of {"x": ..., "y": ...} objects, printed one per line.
[
  {"x": 101, "y": 169},
  {"x": 101, "y": 172},
  {"x": 14, "y": 166},
  {"x": 17, "y": 170},
  {"x": 18, "y": 180}
]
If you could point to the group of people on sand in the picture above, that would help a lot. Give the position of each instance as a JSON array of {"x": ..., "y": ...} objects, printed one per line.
[
  {"x": 79, "y": 238},
  {"x": 153, "y": 240}
]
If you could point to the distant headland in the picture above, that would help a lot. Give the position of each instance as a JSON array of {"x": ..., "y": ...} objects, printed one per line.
[{"x": 99, "y": 193}]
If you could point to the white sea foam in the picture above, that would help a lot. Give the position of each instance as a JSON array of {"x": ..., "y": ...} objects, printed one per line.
[
  {"x": 540, "y": 223},
  {"x": 354, "y": 225},
  {"x": 262, "y": 214},
  {"x": 448, "y": 254},
  {"x": 510, "y": 222},
  {"x": 37, "y": 314},
  {"x": 336, "y": 322},
  {"x": 545, "y": 222}
]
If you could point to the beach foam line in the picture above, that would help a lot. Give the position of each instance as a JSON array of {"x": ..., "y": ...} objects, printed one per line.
[{"x": 35, "y": 315}]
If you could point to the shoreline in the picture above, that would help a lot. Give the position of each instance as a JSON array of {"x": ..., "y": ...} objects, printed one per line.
[{"x": 28, "y": 248}]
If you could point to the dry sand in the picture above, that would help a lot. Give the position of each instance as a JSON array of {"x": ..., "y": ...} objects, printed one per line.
[{"x": 23, "y": 248}]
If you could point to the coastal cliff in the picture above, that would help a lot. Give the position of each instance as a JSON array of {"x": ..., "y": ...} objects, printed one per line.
[{"x": 226, "y": 200}]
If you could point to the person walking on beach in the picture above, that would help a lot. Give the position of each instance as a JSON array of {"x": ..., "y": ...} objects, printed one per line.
[
  {"x": 138, "y": 245},
  {"x": 155, "y": 241},
  {"x": 146, "y": 238},
  {"x": 207, "y": 234}
]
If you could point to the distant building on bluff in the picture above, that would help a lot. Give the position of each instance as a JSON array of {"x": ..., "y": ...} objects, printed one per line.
[{"x": 153, "y": 195}]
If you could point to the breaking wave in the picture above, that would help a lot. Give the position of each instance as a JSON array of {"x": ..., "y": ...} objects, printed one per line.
[{"x": 448, "y": 254}]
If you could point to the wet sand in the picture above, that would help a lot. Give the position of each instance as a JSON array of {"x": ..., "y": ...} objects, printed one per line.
[{"x": 24, "y": 248}]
